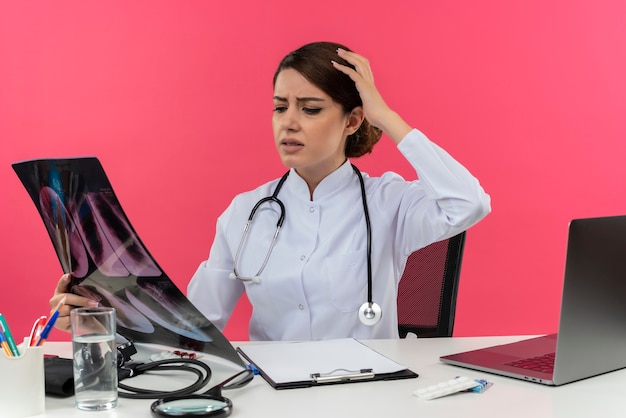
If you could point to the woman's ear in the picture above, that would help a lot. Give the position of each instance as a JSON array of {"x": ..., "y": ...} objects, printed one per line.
[{"x": 355, "y": 119}]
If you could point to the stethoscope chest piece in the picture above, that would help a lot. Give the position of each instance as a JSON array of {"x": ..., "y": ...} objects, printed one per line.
[
  {"x": 192, "y": 406},
  {"x": 370, "y": 313}
]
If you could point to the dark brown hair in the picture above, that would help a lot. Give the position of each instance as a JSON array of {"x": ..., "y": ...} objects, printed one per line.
[{"x": 313, "y": 62}]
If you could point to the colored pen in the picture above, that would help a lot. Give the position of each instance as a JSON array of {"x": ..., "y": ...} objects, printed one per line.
[
  {"x": 5, "y": 346},
  {"x": 8, "y": 336},
  {"x": 48, "y": 327},
  {"x": 38, "y": 327}
]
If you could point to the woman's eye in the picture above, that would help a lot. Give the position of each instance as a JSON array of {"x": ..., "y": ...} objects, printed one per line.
[
  {"x": 312, "y": 110},
  {"x": 279, "y": 109}
]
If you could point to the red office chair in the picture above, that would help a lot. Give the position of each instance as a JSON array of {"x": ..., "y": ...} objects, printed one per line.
[{"x": 428, "y": 289}]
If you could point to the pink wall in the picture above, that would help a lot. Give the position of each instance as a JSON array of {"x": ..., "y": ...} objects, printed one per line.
[{"x": 175, "y": 99}]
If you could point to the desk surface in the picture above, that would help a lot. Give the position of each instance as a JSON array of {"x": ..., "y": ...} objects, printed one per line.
[{"x": 599, "y": 396}]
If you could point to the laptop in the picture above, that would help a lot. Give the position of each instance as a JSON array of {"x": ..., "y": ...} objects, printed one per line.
[{"x": 591, "y": 338}]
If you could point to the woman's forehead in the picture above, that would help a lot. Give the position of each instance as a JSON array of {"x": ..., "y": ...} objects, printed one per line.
[{"x": 292, "y": 84}]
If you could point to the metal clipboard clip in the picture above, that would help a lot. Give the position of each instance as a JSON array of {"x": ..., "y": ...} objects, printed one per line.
[{"x": 346, "y": 376}]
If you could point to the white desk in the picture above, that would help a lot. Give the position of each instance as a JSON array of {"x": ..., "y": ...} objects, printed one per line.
[{"x": 598, "y": 396}]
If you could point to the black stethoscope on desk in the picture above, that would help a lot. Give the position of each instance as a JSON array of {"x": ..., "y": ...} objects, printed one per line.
[
  {"x": 370, "y": 312},
  {"x": 207, "y": 404},
  {"x": 185, "y": 401}
]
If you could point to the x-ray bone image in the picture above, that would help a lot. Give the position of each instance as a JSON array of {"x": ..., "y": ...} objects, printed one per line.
[{"x": 96, "y": 243}]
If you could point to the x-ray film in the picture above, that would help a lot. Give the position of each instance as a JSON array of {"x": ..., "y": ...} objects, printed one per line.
[{"x": 96, "y": 243}]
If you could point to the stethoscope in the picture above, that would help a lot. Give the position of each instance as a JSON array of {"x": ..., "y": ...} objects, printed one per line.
[
  {"x": 370, "y": 312},
  {"x": 185, "y": 401}
]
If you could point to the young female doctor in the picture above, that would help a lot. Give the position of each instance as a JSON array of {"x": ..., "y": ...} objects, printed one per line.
[{"x": 320, "y": 251}]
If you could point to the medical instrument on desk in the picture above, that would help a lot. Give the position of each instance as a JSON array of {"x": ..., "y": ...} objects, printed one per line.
[
  {"x": 370, "y": 312},
  {"x": 185, "y": 401},
  {"x": 208, "y": 404}
]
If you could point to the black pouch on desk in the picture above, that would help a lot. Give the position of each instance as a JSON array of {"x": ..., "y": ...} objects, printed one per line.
[{"x": 59, "y": 374}]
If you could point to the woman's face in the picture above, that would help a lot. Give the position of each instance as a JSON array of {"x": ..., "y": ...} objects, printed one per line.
[{"x": 310, "y": 129}]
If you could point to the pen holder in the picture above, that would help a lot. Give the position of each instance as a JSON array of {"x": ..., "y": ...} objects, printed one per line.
[{"x": 22, "y": 382}]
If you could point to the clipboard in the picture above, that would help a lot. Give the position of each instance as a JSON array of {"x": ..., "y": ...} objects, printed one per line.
[{"x": 292, "y": 365}]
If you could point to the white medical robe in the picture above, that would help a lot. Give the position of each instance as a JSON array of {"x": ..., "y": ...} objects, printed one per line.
[{"x": 316, "y": 277}]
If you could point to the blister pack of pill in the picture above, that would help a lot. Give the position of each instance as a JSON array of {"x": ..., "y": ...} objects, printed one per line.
[{"x": 458, "y": 384}]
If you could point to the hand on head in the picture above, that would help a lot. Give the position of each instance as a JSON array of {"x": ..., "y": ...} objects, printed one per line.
[
  {"x": 375, "y": 109},
  {"x": 374, "y": 106},
  {"x": 71, "y": 301}
]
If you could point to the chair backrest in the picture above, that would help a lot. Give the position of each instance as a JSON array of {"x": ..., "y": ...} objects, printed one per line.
[{"x": 428, "y": 289}]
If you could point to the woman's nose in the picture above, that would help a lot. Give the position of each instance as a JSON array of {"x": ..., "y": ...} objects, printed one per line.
[{"x": 289, "y": 119}]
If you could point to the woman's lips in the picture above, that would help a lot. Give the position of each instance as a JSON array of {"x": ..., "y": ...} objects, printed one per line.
[{"x": 291, "y": 145}]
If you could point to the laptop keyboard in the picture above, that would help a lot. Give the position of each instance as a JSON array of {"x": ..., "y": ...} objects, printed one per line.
[{"x": 544, "y": 363}]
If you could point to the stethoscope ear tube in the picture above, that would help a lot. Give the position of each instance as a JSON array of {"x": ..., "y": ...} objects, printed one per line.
[
  {"x": 370, "y": 313},
  {"x": 281, "y": 217}
]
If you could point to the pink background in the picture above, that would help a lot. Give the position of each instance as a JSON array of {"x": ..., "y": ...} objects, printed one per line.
[{"x": 174, "y": 97}]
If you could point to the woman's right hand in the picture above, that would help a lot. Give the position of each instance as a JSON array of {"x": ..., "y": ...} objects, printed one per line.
[{"x": 71, "y": 301}]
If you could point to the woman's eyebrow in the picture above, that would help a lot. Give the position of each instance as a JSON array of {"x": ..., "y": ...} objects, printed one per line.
[{"x": 300, "y": 99}]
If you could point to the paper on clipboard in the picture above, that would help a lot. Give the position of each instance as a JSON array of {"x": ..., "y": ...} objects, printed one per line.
[{"x": 295, "y": 363}]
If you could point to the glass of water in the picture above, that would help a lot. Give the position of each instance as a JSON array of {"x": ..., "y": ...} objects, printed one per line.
[{"x": 95, "y": 358}]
